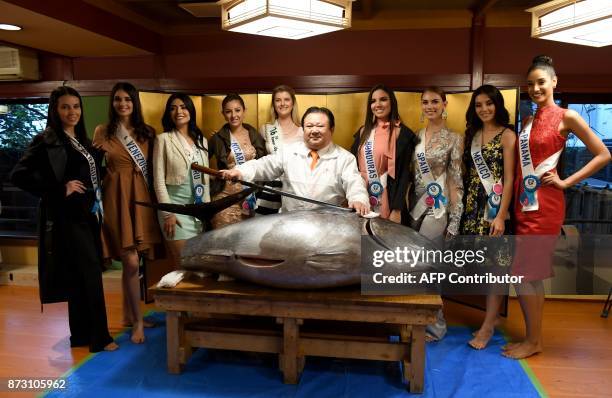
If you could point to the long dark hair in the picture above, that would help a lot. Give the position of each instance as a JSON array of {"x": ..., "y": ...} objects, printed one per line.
[
  {"x": 474, "y": 123},
  {"x": 141, "y": 129},
  {"x": 192, "y": 129},
  {"x": 55, "y": 123},
  {"x": 369, "y": 124}
]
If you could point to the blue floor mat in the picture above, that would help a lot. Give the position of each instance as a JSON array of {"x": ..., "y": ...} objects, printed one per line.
[{"x": 453, "y": 369}]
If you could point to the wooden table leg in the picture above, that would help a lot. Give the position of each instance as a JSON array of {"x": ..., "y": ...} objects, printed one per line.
[
  {"x": 173, "y": 333},
  {"x": 417, "y": 359},
  {"x": 289, "y": 358}
]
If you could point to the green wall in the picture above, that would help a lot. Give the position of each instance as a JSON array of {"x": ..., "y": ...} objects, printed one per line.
[{"x": 95, "y": 109}]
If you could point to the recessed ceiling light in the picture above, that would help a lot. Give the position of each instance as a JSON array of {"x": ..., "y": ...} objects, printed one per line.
[{"x": 5, "y": 26}]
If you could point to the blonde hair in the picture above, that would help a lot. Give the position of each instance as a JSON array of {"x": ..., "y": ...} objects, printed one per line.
[{"x": 295, "y": 114}]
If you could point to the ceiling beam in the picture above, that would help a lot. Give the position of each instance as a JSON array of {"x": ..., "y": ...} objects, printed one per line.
[{"x": 91, "y": 18}]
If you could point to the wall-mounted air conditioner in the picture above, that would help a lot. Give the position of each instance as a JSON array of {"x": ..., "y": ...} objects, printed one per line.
[{"x": 18, "y": 64}]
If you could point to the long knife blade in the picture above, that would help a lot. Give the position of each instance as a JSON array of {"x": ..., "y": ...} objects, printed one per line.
[{"x": 217, "y": 174}]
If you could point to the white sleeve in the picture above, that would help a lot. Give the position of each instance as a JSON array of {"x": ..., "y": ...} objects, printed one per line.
[
  {"x": 267, "y": 168},
  {"x": 352, "y": 182}
]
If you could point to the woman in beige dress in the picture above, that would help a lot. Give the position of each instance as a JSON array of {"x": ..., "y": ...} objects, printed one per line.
[{"x": 129, "y": 231}]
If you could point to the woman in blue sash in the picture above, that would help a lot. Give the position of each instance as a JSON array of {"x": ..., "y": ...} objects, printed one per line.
[
  {"x": 436, "y": 201},
  {"x": 539, "y": 206},
  {"x": 129, "y": 230},
  {"x": 175, "y": 181},
  {"x": 235, "y": 143},
  {"x": 489, "y": 160},
  {"x": 282, "y": 129},
  {"x": 62, "y": 168},
  {"x": 384, "y": 147}
]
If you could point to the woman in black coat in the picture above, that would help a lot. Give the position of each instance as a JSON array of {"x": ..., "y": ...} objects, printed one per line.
[
  {"x": 384, "y": 147},
  {"x": 59, "y": 167}
]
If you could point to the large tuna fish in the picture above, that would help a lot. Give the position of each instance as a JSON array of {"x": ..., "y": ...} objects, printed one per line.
[{"x": 306, "y": 249}]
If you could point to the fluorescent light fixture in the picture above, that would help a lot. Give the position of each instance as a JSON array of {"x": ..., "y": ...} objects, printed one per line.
[
  {"x": 584, "y": 22},
  {"x": 6, "y": 26},
  {"x": 287, "y": 19}
]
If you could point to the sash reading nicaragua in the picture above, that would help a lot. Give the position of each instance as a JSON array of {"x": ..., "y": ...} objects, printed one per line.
[
  {"x": 531, "y": 176},
  {"x": 133, "y": 149},
  {"x": 97, "y": 208},
  {"x": 494, "y": 189},
  {"x": 376, "y": 184},
  {"x": 249, "y": 202},
  {"x": 197, "y": 178},
  {"x": 273, "y": 136},
  {"x": 433, "y": 198}
]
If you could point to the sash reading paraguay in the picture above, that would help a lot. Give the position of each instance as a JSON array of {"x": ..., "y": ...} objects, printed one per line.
[
  {"x": 249, "y": 203},
  {"x": 531, "y": 176},
  {"x": 97, "y": 208}
]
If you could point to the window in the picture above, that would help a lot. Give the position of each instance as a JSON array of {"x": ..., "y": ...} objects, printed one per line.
[{"x": 20, "y": 121}]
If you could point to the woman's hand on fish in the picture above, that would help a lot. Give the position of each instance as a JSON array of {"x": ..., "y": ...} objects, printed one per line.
[
  {"x": 361, "y": 208},
  {"x": 232, "y": 174}
]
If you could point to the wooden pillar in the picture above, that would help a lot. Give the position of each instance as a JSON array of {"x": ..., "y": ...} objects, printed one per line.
[{"x": 477, "y": 51}]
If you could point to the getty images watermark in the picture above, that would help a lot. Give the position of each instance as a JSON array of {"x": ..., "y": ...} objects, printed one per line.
[
  {"x": 486, "y": 265},
  {"x": 408, "y": 257}
]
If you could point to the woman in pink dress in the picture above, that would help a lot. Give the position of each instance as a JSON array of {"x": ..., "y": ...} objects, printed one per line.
[{"x": 539, "y": 206}]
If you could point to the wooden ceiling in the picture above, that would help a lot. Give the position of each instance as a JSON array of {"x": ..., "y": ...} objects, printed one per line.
[{"x": 86, "y": 28}]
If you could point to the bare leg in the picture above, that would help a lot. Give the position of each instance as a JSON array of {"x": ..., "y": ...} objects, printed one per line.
[
  {"x": 531, "y": 298},
  {"x": 486, "y": 331},
  {"x": 127, "y": 310},
  {"x": 131, "y": 286},
  {"x": 175, "y": 247}
]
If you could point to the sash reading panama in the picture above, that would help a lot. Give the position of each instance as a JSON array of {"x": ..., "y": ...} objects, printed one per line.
[{"x": 458, "y": 258}]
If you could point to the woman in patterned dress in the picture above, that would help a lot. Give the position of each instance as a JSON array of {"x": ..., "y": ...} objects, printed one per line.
[
  {"x": 436, "y": 202},
  {"x": 539, "y": 208},
  {"x": 489, "y": 136}
]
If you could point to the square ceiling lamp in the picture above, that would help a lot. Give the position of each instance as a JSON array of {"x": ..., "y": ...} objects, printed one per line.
[
  {"x": 287, "y": 19},
  {"x": 585, "y": 22}
]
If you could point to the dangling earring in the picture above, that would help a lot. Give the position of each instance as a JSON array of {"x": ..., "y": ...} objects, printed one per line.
[
  {"x": 444, "y": 115},
  {"x": 422, "y": 118}
]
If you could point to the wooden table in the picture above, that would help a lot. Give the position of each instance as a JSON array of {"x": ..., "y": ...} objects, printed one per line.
[{"x": 332, "y": 323}]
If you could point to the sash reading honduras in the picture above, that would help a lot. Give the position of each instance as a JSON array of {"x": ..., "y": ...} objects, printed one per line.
[
  {"x": 376, "y": 184},
  {"x": 494, "y": 189},
  {"x": 133, "y": 149},
  {"x": 433, "y": 198},
  {"x": 97, "y": 208},
  {"x": 531, "y": 176},
  {"x": 197, "y": 178},
  {"x": 273, "y": 136},
  {"x": 249, "y": 202}
]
